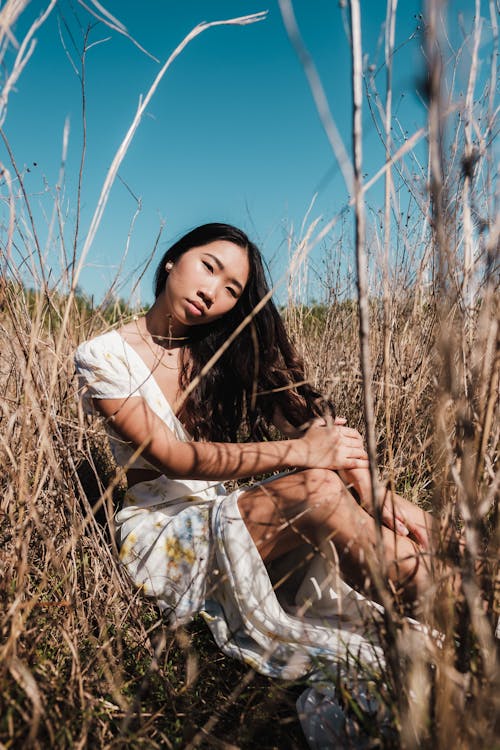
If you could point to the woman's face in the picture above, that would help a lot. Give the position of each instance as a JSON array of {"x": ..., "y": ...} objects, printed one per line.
[{"x": 205, "y": 283}]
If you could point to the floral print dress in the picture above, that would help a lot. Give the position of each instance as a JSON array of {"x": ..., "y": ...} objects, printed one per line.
[{"x": 184, "y": 543}]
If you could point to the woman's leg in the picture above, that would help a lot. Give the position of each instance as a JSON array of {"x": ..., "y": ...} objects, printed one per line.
[{"x": 314, "y": 506}]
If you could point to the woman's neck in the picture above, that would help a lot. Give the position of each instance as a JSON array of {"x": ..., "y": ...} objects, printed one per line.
[{"x": 163, "y": 329}]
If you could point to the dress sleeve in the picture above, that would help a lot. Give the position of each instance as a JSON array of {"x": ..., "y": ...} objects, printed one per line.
[{"x": 104, "y": 370}]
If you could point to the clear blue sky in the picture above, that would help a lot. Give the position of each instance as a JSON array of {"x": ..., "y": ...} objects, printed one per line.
[{"x": 232, "y": 133}]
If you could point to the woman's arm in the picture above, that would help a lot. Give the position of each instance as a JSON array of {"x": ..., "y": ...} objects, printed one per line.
[
  {"x": 322, "y": 446},
  {"x": 357, "y": 479},
  {"x": 397, "y": 513}
]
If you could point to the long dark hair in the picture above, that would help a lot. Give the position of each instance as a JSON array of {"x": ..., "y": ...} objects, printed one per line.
[{"x": 261, "y": 369}]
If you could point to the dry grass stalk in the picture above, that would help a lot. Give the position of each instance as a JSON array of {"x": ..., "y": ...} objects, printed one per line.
[
  {"x": 8, "y": 17},
  {"x": 390, "y": 31}
]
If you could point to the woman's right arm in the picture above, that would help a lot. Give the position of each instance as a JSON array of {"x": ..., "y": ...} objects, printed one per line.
[{"x": 326, "y": 445}]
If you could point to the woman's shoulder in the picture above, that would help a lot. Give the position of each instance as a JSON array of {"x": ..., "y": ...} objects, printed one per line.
[
  {"x": 105, "y": 343},
  {"x": 105, "y": 365},
  {"x": 108, "y": 351}
]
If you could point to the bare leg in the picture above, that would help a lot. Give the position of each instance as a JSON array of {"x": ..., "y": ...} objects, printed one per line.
[{"x": 314, "y": 506}]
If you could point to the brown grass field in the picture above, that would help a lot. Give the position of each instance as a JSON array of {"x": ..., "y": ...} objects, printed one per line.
[{"x": 87, "y": 662}]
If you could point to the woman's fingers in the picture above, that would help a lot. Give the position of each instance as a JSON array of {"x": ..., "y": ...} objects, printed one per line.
[
  {"x": 396, "y": 524},
  {"x": 352, "y": 448},
  {"x": 420, "y": 534},
  {"x": 356, "y": 447},
  {"x": 354, "y": 452},
  {"x": 415, "y": 519},
  {"x": 338, "y": 425},
  {"x": 359, "y": 463},
  {"x": 334, "y": 446},
  {"x": 350, "y": 432},
  {"x": 405, "y": 518},
  {"x": 354, "y": 462},
  {"x": 353, "y": 441}
]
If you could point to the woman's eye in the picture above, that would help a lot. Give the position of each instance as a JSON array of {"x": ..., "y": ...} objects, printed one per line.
[
  {"x": 208, "y": 265},
  {"x": 232, "y": 292}
]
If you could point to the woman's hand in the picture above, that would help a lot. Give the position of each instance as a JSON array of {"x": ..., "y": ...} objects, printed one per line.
[
  {"x": 329, "y": 444},
  {"x": 399, "y": 514}
]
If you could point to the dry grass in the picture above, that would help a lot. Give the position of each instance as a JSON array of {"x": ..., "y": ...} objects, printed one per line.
[{"x": 84, "y": 662}]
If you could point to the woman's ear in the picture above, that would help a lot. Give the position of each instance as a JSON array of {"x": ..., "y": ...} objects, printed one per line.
[{"x": 169, "y": 265}]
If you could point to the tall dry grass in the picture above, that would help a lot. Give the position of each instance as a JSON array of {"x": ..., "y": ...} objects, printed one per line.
[{"x": 84, "y": 661}]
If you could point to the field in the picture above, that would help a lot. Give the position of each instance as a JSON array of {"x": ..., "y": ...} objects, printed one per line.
[{"x": 409, "y": 355}]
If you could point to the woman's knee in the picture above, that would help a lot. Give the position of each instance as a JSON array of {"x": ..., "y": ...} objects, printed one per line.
[
  {"x": 306, "y": 499},
  {"x": 321, "y": 483},
  {"x": 324, "y": 496}
]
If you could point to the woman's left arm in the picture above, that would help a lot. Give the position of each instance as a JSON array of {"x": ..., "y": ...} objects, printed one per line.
[{"x": 398, "y": 514}]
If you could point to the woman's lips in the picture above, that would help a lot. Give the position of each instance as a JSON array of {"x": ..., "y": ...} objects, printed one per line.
[{"x": 194, "y": 308}]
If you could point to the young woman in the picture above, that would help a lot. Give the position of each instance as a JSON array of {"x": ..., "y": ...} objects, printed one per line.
[{"x": 193, "y": 394}]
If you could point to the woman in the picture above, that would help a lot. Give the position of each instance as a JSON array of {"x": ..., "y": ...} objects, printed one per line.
[{"x": 277, "y": 569}]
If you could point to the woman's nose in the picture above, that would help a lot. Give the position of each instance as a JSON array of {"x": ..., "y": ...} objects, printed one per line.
[{"x": 208, "y": 295}]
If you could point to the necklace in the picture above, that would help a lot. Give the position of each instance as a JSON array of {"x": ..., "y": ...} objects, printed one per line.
[
  {"x": 157, "y": 338},
  {"x": 158, "y": 356},
  {"x": 169, "y": 338}
]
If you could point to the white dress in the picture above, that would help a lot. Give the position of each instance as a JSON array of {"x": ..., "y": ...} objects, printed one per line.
[{"x": 184, "y": 543}]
